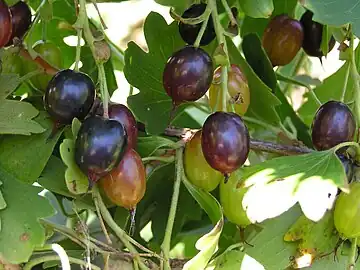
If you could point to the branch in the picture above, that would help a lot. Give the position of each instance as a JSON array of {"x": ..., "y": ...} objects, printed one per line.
[{"x": 42, "y": 64}]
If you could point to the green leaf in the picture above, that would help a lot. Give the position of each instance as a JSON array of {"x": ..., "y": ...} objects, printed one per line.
[
  {"x": 315, "y": 238},
  {"x": 25, "y": 157},
  {"x": 336, "y": 13},
  {"x": 261, "y": 108},
  {"x": 310, "y": 179},
  {"x": 20, "y": 229},
  {"x": 146, "y": 146},
  {"x": 144, "y": 71},
  {"x": 269, "y": 248},
  {"x": 258, "y": 8},
  {"x": 76, "y": 181},
  {"x": 208, "y": 243}
]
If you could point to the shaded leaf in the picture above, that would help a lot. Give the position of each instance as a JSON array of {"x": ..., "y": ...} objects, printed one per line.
[
  {"x": 146, "y": 146},
  {"x": 20, "y": 229}
]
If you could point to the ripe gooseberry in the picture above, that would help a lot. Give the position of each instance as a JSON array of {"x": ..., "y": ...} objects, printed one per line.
[
  {"x": 99, "y": 146},
  {"x": 122, "y": 114},
  {"x": 347, "y": 212},
  {"x": 238, "y": 89},
  {"x": 51, "y": 53},
  {"x": 69, "y": 94},
  {"x": 225, "y": 142},
  {"x": 333, "y": 124},
  {"x": 189, "y": 32},
  {"x": 197, "y": 170},
  {"x": 20, "y": 20},
  {"x": 188, "y": 74},
  {"x": 125, "y": 185},
  {"x": 282, "y": 39},
  {"x": 313, "y": 35},
  {"x": 5, "y": 23}
]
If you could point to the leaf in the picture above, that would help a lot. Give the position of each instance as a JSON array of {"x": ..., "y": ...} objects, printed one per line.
[
  {"x": 315, "y": 238},
  {"x": 261, "y": 108},
  {"x": 16, "y": 116},
  {"x": 76, "y": 181},
  {"x": 20, "y": 229},
  {"x": 24, "y": 157},
  {"x": 310, "y": 179},
  {"x": 207, "y": 244},
  {"x": 269, "y": 248},
  {"x": 258, "y": 8},
  {"x": 336, "y": 13},
  {"x": 144, "y": 71},
  {"x": 146, "y": 146}
]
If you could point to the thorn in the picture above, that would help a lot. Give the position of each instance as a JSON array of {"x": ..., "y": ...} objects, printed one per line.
[
  {"x": 226, "y": 177},
  {"x": 132, "y": 221},
  {"x": 242, "y": 237},
  {"x": 172, "y": 112}
]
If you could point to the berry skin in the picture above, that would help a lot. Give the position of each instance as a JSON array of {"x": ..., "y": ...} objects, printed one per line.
[
  {"x": 225, "y": 142},
  {"x": 282, "y": 39},
  {"x": 333, "y": 124},
  {"x": 188, "y": 74},
  {"x": 99, "y": 146},
  {"x": 126, "y": 184},
  {"x": 313, "y": 35},
  {"x": 238, "y": 89},
  {"x": 189, "y": 32},
  {"x": 69, "y": 94},
  {"x": 122, "y": 114},
  {"x": 20, "y": 20},
  {"x": 5, "y": 22},
  {"x": 197, "y": 170}
]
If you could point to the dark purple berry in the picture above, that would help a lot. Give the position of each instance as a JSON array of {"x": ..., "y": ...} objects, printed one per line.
[{"x": 20, "y": 20}]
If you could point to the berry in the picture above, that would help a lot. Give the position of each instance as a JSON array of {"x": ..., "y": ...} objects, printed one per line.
[
  {"x": 11, "y": 63},
  {"x": 282, "y": 39},
  {"x": 51, "y": 54},
  {"x": 188, "y": 74},
  {"x": 126, "y": 184},
  {"x": 225, "y": 142},
  {"x": 20, "y": 20},
  {"x": 189, "y": 32},
  {"x": 231, "y": 200},
  {"x": 5, "y": 22},
  {"x": 197, "y": 170},
  {"x": 99, "y": 146},
  {"x": 69, "y": 94},
  {"x": 348, "y": 165},
  {"x": 313, "y": 35},
  {"x": 347, "y": 212},
  {"x": 333, "y": 124},
  {"x": 122, "y": 114},
  {"x": 238, "y": 89}
]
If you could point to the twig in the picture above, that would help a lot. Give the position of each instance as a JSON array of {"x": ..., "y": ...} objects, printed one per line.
[
  {"x": 103, "y": 227},
  {"x": 49, "y": 258},
  {"x": 285, "y": 150}
]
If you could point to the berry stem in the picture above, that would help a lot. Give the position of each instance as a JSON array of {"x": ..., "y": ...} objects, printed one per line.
[
  {"x": 50, "y": 258},
  {"x": 191, "y": 21},
  {"x": 101, "y": 221},
  {"x": 224, "y": 88},
  {"x": 352, "y": 255},
  {"x": 229, "y": 13},
  {"x": 104, "y": 90},
  {"x": 356, "y": 78},
  {"x": 78, "y": 49},
  {"x": 117, "y": 230},
  {"x": 345, "y": 81},
  {"x": 203, "y": 26},
  {"x": 162, "y": 159},
  {"x": 165, "y": 246}
]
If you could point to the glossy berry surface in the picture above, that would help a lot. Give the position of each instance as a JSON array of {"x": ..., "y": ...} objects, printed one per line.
[
  {"x": 313, "y": 35},
  {"x": 51, "y": 53},
  {"x": 225, "y": 141},
  {"x": 123, "y": 114},
  {"x": 189, "y": 32},
  {"x": 126, "y": 184},
  {"x": 282, "y": 39},
  {"x": 238, "y": 89},
  {"x": 99, "y": 146},
  {"x": 5, "y": 24},
  {"x": 197, "y": 170},
  {"x": 188, "y": 74},
  {"x": 347, "y": 212},
  {"x": 69, "y": 94},
  {"x": 231, "y": 200},
  {"x": 20, "y": 20},
  {"x": 333, "y": 124}
]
